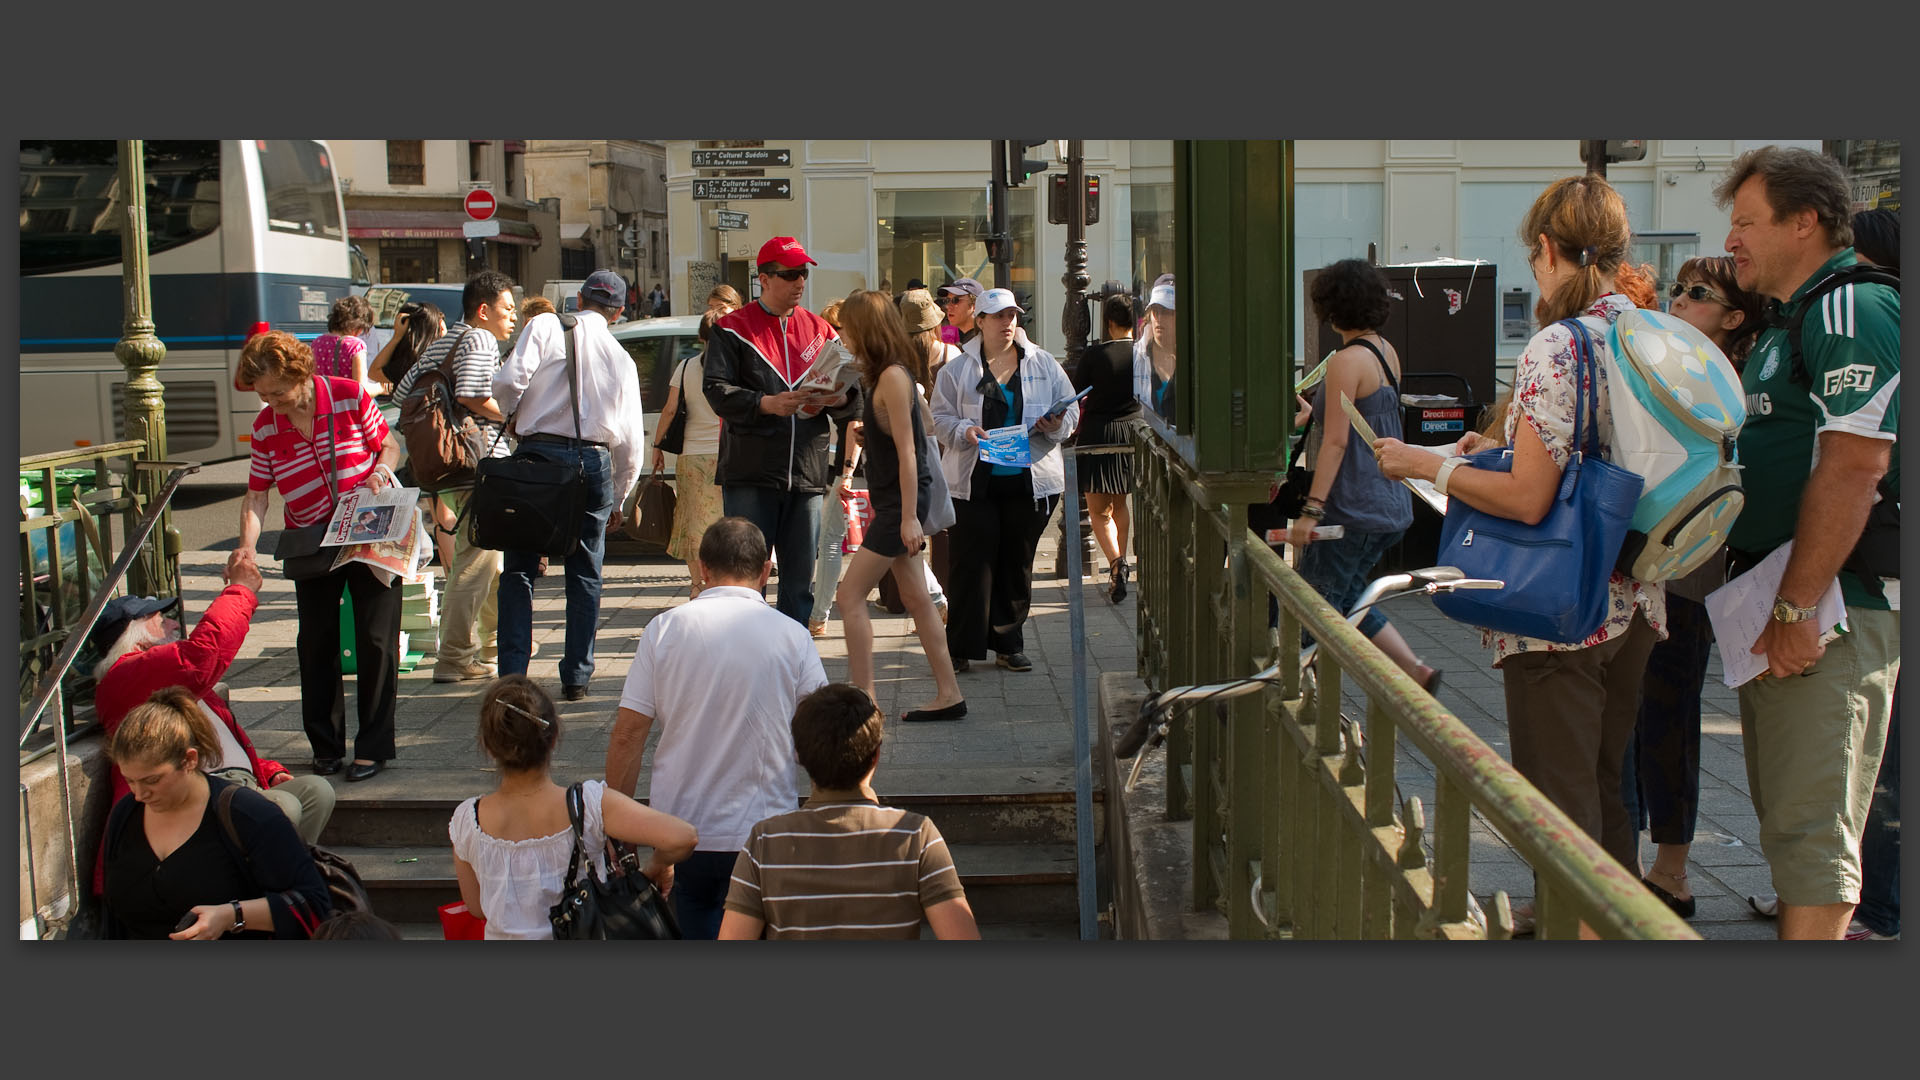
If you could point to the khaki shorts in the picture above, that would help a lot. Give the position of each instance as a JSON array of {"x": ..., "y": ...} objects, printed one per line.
[{"x": 1813, "y": 746}]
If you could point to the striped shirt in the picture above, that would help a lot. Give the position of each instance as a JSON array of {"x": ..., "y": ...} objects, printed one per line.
[
  {"x": 476, "y": 356},
  {"x": 843, "y": 866},
  {"x": 284, "y": 458}
]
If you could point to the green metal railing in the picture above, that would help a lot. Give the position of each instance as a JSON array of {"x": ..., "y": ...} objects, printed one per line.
[
  {"x": 58, "y": 606},
  {"x": 1298, "y": 830}
]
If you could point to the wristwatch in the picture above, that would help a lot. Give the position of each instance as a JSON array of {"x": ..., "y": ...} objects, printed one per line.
[
  {"x": 1446, "y": 472},
  {"x": 239, "y": 918},
  {"x": 1785, "y": 611}
]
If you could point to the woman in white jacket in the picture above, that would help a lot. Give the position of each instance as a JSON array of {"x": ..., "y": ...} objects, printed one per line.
[{"x": 999, "y": 379}]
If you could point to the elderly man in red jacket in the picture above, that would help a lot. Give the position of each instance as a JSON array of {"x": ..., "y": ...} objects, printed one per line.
[{"x": 142, "y": 651}]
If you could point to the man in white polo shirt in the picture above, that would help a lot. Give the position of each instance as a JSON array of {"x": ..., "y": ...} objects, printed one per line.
[{"x": 721, "y": 674}]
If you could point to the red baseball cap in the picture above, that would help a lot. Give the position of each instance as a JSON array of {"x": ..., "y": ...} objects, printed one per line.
[{"x": 784, "y": 250}]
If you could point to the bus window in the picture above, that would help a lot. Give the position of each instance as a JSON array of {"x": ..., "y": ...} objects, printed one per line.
[
  {"x": 70, "y": 210},
  {"x": 301, "y": 197}
]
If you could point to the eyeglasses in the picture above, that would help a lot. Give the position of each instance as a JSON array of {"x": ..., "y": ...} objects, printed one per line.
[
  {"x": 1696, "y": 293},
  {"x": 797, "y": 274},
  {"x": 949, "y": 301}
]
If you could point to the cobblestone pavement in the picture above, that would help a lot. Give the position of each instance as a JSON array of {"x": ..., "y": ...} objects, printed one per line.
[{"x": 1015, "y": 720}]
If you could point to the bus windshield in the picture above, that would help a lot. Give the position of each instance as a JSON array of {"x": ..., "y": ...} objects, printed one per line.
[
  {"x": 70, "y": 208},
  {"x": 301, "y": 197}
]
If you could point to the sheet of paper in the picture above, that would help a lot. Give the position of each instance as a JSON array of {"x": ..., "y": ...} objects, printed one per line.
[
  {"x": 1360, "y": 425},
  {"x": 1007, "y": 446},
  {"x": 1740, "y": 609}
]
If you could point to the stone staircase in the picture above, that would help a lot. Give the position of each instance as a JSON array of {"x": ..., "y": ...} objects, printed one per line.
[{"x": 1011, "y": 831}]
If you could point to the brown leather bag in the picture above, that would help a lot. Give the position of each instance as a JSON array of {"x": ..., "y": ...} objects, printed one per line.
[{"x": 651, "y": 522}]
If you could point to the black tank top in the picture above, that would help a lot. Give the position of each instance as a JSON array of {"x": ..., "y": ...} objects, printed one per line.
[{"x": 883, "y": 459}]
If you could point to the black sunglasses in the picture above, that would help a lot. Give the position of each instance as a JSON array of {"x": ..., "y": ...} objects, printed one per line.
[
  {"x": 948, "y": 301},
  {"x": 1696, "y": 293},
  {"x": 789, "y": 275}
]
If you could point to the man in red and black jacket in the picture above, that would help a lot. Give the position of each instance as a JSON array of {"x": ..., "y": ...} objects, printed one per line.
[
  {"x": 142, "y": 651},
  {"x": 773, "y": 466}
]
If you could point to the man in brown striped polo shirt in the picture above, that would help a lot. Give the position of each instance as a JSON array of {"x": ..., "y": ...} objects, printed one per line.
[{"x": 843, "y": 866}]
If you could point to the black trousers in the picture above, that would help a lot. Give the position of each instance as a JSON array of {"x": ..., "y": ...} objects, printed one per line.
[
  {"x": 1661, "y": 777},
  {"x": 376, "y": 642},
  {"x": 990, "y": 565}
]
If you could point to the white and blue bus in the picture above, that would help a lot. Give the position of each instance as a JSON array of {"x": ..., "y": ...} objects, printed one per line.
[{"x": 243, "y": 236}]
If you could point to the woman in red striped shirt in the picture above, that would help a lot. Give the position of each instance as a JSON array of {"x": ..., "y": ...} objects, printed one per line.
[{"x": 310, "y": 423}]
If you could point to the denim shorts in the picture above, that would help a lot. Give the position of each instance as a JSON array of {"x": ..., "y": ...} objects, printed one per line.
[{"x": 1340, "y": 569}]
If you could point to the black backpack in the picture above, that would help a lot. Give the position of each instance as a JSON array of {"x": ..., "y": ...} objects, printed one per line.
[{"x": 1877, "y": 553}]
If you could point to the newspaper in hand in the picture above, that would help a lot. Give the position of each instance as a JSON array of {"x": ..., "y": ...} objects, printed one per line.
[
  {"x": 1007, "y": 446},
  {"x": 833, "y": 373},
  {"x": 364, "y": 516}
]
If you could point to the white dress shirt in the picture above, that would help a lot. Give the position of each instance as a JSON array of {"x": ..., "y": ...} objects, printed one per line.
[{"x": 532, "y": 387}]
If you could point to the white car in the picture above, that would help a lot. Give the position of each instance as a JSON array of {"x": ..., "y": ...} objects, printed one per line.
[{"x": 657, "y": 346}]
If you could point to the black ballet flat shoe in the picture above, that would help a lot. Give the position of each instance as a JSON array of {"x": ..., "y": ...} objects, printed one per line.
[
  {"x": 952, "y": 712},
  {"x": 357, "y": 771},
  {"x": 1682, "y": 908},
  {"x": 326, "y": 766}
]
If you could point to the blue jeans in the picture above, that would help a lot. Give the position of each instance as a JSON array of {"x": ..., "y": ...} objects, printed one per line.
[
  {"x": 1340, "y": 570},
  {"x": 700, "y": 885},
  {"x": 790, "y": 520},
  {"x": 519, "y": 568},
  {"x": 1880, "y": 845}
]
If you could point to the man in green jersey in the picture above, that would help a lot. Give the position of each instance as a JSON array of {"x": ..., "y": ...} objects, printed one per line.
[{"x": 1816, "y": 450}]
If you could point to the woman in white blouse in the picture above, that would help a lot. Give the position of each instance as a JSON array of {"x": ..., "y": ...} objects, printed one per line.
[{"x": 511, "y": 848}]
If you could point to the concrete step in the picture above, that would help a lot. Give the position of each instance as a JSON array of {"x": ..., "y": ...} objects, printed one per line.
[
  {"x": 404, "y": 807},
  {"x": 1030, "y": 931},
  {"x": 1012, "y": 884}
]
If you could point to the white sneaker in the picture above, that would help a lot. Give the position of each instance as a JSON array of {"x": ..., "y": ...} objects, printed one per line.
[{"x": 1857, "y": 931}]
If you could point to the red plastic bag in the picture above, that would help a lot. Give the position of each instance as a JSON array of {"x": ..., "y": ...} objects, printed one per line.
[
  {"x": 458, "y": 924},
  {"x": 859, "y": 512}
]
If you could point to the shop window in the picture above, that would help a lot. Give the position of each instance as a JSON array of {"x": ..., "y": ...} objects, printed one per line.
[{"x": 937, "y": 236}]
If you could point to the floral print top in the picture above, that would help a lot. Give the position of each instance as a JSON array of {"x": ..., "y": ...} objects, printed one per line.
[{"x": 1544, "y": 396}]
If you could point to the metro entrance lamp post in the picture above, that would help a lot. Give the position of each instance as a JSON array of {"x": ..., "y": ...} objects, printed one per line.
[{"x": 141, "y": 351}]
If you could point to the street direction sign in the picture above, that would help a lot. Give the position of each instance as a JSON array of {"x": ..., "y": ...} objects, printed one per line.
[
  {"x": 474, "y": 229},
  {"x": 480, "y": 204},
  {"x": 741, "y": 158},
  {"x": 714, "y": 189},
  {"x": 730, "y": 220}
]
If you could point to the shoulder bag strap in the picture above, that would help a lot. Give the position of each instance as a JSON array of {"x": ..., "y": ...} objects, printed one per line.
[
  {"x": 223, "y": 808},
  {"x": 579, "y": 835},
  {"x": 1586, "y": 386},
  {"x": 1382, "y": 357},
  {"x": 326, "y": 475},
  {"x": 573, "y": 387}
]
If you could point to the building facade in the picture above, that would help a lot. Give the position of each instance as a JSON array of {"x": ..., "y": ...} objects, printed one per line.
[
  {"x": 879, "y": 214},
  {"x": 612, "y": 199},
  {"x": 406, "y": 210}
]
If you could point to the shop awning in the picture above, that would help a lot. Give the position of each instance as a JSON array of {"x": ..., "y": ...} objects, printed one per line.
[{"x": 430, "y": 225}]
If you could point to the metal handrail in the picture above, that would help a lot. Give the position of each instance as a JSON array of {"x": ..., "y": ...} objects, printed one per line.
[
  {"x": 77, "y": 635},
  {"x": 1324, "y": 794}
]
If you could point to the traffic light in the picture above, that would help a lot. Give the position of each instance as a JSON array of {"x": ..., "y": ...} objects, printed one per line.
[{"x": 1019, "y": 166}]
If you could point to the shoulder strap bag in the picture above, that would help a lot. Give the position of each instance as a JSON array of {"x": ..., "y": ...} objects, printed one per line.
[
  {"x": 298, "y": 549},
  {"x": 674, "y": 436},
  {"x": 527, "y": 502},
  {"x": 345, "y": 890},
  {"x": 1290, "y": 494},
  {"x": 624, "y": 907},
  {"x": 1556, "y": 572}
]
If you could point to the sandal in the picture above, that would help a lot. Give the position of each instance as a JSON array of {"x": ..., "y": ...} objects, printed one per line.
[{"x": 1682, "y": 908}]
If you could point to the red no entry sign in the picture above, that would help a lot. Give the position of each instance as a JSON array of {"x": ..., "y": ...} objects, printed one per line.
[{"x": 480, "y": 205}]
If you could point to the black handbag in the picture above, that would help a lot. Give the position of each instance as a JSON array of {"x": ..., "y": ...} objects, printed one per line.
[
  {"x": 624, "y": 907},
  {"x": 1290, "y": 495},
  {"x": 528, "y": 503},
  {"x": 674, "y": 436},
  {"x": 298, "y": 549}
]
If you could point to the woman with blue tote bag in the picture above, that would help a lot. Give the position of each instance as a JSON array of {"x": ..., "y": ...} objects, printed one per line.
[{"x": 1571, "y": 705}]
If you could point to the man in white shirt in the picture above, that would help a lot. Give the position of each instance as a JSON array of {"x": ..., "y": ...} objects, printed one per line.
[
  {"x": 722, "y": 674},
  {"x": 532, "y": 387}
]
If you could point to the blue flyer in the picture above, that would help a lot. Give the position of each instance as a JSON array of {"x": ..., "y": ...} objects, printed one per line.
[{"x": 1007, "y": 446}]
